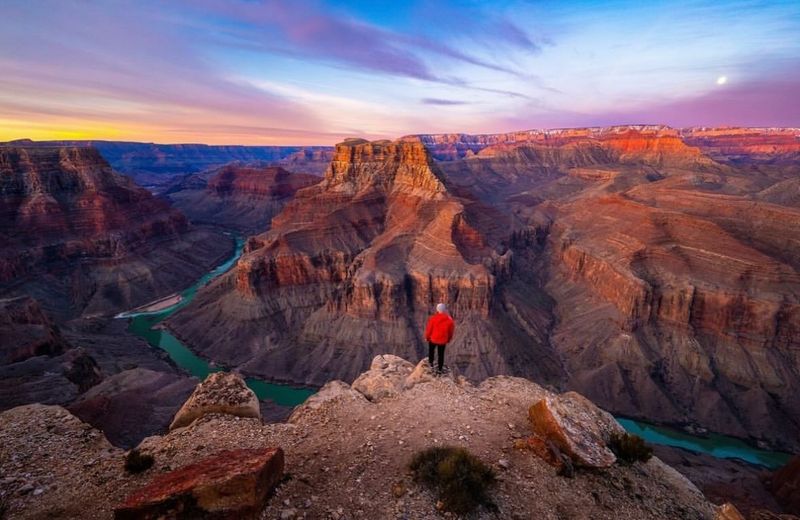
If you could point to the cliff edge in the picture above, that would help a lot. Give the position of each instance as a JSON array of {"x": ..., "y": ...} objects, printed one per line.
[{"x": 347, "y": 451}]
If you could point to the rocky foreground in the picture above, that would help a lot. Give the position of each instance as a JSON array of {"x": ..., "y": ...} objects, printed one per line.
[{"x": 343, "y": 454}]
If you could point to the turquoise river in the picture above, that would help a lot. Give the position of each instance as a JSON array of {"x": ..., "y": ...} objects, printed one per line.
[{"x": 144, "y": 325}]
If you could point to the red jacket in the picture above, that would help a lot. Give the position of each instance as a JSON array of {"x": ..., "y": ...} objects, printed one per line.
[{"x": 440, "y": 328}]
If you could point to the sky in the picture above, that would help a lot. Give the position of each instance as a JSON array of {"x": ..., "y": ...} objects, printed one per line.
[{"x": 315, "y": 72}]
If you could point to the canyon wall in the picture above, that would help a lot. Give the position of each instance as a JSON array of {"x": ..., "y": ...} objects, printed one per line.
[
  {"x": 238, "y": 196},
  {"x": 85, "y": 239},
  {"x": 361, "y": 259},
  {"x": 170, "y": 159}
]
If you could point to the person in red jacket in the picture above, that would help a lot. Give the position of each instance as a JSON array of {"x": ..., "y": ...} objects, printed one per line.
[{"x": 438, "y": 333}]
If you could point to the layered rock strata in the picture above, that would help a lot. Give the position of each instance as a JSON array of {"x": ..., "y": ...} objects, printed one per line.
[
  {"x": 355, "y": 264},
  {"x": 622, "y": 262},
  {"x": 239, "y": 197},
  {"x": 86, "y": 240}
]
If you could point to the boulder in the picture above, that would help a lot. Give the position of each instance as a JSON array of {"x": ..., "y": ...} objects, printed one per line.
[
  {"x": 221, "y": 392},
  {"x": 785, "y": 486},
  {"x": 332, "y": 391},
  {"x": 728, "y": 511},
  {"x": 230, "y": 484},
  {"x": 386, "y": 377},
  {"x": 577, "y": 427}
]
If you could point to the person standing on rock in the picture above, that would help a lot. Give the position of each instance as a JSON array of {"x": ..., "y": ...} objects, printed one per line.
[{"x": 438, "y": 333}]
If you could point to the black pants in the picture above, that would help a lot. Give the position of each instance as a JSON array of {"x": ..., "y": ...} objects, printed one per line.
[{"x": 440, "y": 348}]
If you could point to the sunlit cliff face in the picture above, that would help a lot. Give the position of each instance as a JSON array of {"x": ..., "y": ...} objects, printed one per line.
[{"x": 314, "y": 72}]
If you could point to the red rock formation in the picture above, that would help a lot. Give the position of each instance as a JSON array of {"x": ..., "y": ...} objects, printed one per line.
[
  {"x": 666, "y": 282},
  {"x": 652, "y": 144},
  {"x": 746, "y": 144},
  {"x": 241, "y": 197},
  {"x": 359, "y": 259},
  {"x": 231, "y": 484},
  {"x": 85, "y": 239},
  {"x": 64, "y": 203},
  {"x": 688, "y": 297}
]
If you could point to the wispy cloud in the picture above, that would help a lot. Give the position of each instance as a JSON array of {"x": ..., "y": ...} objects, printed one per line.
[
  {"x": 442, "y": 102},
  {"x": 309, "y": 29}
]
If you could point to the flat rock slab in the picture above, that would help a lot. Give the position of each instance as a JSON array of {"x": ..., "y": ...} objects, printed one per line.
[
  {"x": 230, "y": 484},
  {"x": 577, "y": 427},
  {"x": 221, "y": 392}
]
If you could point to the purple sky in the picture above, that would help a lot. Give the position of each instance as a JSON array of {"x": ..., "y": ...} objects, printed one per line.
[{"x": 311, "y": 72}]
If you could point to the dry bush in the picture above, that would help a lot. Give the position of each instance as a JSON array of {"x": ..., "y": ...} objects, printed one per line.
[{"x": 461, "y": 479}]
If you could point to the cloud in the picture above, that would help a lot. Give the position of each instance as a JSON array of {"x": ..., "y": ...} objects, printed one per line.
[
  {"x": 442, "y": 102},
  {"x": 137, "y": 70},
  {"x": 309, "y": 29}
]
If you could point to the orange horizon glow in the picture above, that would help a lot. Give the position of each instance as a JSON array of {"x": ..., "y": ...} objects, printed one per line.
[{"x": 13, "y": 130}]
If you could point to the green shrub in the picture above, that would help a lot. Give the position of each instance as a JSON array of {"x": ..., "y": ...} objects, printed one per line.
[
  {"x": 629, "y": 448},
  {"x": 461, "y": 479},
  {"x": 136, "y": 461}
]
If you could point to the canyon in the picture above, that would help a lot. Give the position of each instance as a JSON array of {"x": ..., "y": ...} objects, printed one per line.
[
  {"x": 354, "y": 263},
  {"x": 80, "y": 243},
  {"x": 85, "y": 240},
  {"x": 653, "y": 270},
  {"x": 632, "y": 264}
]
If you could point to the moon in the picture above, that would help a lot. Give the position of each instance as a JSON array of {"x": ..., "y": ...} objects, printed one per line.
[{"x": 722, "y": 80}]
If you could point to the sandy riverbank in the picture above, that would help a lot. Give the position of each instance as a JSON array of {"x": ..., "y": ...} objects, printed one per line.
[{"x": 155, "y": 306}]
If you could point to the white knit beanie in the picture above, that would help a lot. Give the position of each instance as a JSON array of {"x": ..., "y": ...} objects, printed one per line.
[{"x": 441, "y": 308}]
